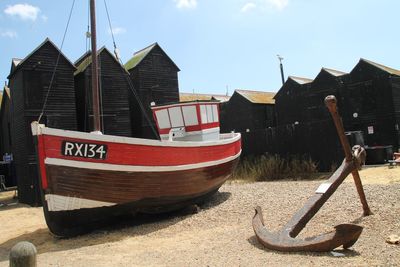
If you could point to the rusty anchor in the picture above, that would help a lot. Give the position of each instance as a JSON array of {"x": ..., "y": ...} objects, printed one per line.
[{"x": 344, "y": 234}]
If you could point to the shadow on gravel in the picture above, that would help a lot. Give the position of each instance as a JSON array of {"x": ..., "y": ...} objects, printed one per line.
[
  {"x": 335, "y": 253},
  {"x": 215, "y": 200},
  {"x": 121, "y": 228}
]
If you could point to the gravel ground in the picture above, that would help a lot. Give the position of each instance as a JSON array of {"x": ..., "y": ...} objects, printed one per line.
[{"x": 220, "y": 234}]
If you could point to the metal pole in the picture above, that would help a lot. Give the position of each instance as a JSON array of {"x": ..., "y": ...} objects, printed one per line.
[
  {"x": 95, "y": 80},
  {"x": 281, "y": 66}
]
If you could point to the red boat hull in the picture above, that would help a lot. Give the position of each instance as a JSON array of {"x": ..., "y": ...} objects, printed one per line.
[{"x": 87, "y": 178}]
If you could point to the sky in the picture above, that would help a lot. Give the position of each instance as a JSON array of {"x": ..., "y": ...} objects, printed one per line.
[{"x": 219, "y": 45}]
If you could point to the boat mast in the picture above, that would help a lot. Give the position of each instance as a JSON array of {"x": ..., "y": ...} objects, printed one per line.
[{"x": 95, "y": 80}]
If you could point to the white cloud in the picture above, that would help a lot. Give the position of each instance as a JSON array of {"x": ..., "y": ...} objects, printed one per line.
[
  {"x": 117, "y": 30},
  {"x": 247, "y": 7},
  {"x": 9, "y": 33},
  {"x": 23, "y": 11},
  {"x": 278, "y": 4},
  {"x": 188, "y": 4},
  {"x": 263, "y": 5}
]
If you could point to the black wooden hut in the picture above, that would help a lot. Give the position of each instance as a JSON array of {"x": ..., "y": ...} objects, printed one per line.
[
  {"x": 116, "y": 98},
  {"x": 155, "y": 78},
  {"x": 248, "y": 110},
  {"x": 29, "y": 83},
  {"x": 289, "y": 100},
  {"x": 5, "y": 122},
  {"x": 327, "y": 82},
  {"x": 315, "y": 134},
  {"x": 251, "y": 113},
  {"x": 371, "y": 103},
  {"x": 7, "y": 169}
]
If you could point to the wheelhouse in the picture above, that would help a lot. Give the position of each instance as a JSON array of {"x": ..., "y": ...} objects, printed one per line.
[{"x": 188, "y": 121}]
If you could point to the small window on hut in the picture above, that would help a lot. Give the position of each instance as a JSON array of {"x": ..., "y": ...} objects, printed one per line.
[
  {"x": 175, "y": 114},
  {"x": 190, "y": 115},
  {"x": 163, "y": 119}
]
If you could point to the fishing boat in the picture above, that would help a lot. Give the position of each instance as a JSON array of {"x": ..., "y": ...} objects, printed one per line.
[{"x": 87, "y": 178}]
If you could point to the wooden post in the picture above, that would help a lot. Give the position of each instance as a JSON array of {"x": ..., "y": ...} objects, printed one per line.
[{"x": 23, "y": 254}]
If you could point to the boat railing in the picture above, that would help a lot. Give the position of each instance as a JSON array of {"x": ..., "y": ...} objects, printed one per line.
[{"x": 225, "y": 136}]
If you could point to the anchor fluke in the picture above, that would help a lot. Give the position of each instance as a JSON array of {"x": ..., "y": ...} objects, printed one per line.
[{"x": 344, "y": 235}]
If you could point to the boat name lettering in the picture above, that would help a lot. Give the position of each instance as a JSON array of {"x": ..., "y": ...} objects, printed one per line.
[{"x": 83, "y": 150}]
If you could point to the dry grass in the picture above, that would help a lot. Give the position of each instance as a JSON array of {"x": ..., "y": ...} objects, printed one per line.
[{"x": 273, "y": 167}]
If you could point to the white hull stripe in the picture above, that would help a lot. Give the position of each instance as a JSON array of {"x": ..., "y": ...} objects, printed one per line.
[
  {"x": 38, "y": 129},
  {"x": 60, "y": 203},
  {"x": 131, "y": 168}
]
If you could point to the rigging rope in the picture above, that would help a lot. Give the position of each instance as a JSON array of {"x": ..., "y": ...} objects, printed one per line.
[
  {"x": 88, "y": 29},
  {"x": 55, "y": 67},
  {"x": 128, "y": 79},
  {"x": 111, "y": 31}
]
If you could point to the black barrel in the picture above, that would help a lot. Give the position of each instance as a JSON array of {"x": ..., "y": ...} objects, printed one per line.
[{"x": 355, "y": 138}]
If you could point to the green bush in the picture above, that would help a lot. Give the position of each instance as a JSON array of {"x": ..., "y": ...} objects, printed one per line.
[{"x": 273, "y": 167}]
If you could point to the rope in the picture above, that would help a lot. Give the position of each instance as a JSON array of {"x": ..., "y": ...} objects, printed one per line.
[
  {"x": 111, "y": 31},
  {"x": 55, "y": 67},
  {"x": 128, "y": 79},
  {"x": 88, "y": 29},
  {"x": 132, "y": 88}
]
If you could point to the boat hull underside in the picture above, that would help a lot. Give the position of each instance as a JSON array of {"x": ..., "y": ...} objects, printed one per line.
[{"x": 125, "y": 193}]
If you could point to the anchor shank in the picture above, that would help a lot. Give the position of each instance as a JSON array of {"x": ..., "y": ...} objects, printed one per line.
[
  {"x": 330, "y": 102},
  {"x": 315, "y": 202}
]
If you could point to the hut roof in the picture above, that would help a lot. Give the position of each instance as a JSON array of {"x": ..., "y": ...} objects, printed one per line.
[
  {"x": 300, "y": 80},
  {"x": 183, "y": 97},
  {"x": 17, "y": 63},
  {"x": 82, "y": 58},
  {"x": 86, "y": 60},
  {"x": 221, "y": 98},
  {"x": 257, "y": 97},
  {"x": 382, "y": 67},
  {"x": 141, "y": 54},
  {"x": 6, "y": 92},
  {"x": 333, "y": 72}
]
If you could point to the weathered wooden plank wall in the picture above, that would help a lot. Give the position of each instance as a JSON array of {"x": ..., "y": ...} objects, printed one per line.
[{"x": 29, "y": 84}]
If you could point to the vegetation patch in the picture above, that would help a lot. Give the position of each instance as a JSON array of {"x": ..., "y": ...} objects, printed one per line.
[{"x": 273, "y": 167}]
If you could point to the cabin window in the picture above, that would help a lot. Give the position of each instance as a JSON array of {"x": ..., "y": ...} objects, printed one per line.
[
  {"x": 203, "y": 113},
  {"x": 163, "y": 119},
  {"x": 190, "y": 115},
  {"x": 209, "y": 113},
  {"x": 215, "y": 113},
  {"x": 175, "y": 114}
]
